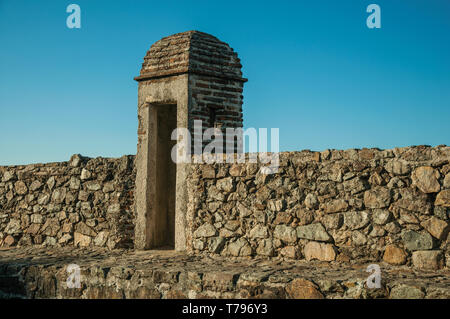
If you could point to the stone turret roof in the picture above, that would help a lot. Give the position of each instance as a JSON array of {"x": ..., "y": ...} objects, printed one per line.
[{"x": 191, "y": 52}]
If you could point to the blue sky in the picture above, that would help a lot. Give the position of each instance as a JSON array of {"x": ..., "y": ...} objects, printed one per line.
[{"x": 315, "y": 71}]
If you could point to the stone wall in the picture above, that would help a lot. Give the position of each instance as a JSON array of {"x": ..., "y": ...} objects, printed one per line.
[
  {"x": 364, "y": 205},
  {"x": 353, "y": 205},
  {"x": 83, "y": 202}
]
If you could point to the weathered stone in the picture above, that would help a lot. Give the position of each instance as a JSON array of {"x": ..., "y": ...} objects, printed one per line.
[
  {"x": 205, "y": 230},
  {"x": 396, "y": 182},
  {"x": 443, "y": 198},
  {"x": 208, "y": 172},
  {"x": 237, "y": 170},
  {"x": 377, "y": 197},
  {"x": 398, "y": 167},
  {"x": 283, "y": 218},
  {"x": 37, "y": 208},
  {"x": 426, "y": 179},
  {"x": 376, "y": 179},
  {"x": 377, "y": 231},
  {"x": 300, "y": 288},
  {"x": 35, "y": 185},
  {"x": 93, "y": 186},
  {"x": 81, "y": 240},
  {"x": 74, "y": 183},
  {"x": 392, "y": 227},
  {"x": 243, "y": 211},
  {"x": 289, "y": 252},
  {"x": 215, "y": 244},
  {"x": 51, "y": 183},
  {"x": 428, "y": 259},
  {"x": 104, "y": 292},
  {"x": 394, "y": 255},
  {"x": 67, "y": 228},
  {"x": 33, "y": 229},
  {"x": 91, "y": 222},
  {"x": 232, "y": 224},
  {"x": 225, "y": 184},
  {"x": 381, "y": 216},
  {"x": 83, "y": 196},
  {"x": 406, "y": 292},
  {"x": 276, "y": 205},
  {"x": 265, "y": 248},
  {"x": 113, "y": 209},
  {"x": 59, "y": 195},
  {"x": 285, "y": 233},
  {"x": 8, "y": 175},
  {"x": 74, "y": 217},
  {"x": 263, "y": 194},
  {"x": 446, "y": 182},
  {"x": 108, "y": 187},
  {"x": 358, "y": 238},
  {"x": 84, "y": 229},
  {"x": 220, "y": 281},
  {"x": 311, "y": 201},
  {"x": 239, "y": 247},
  {"x": 333, "y": 221},
  {"x": 101, "y": 238},
  {"x": 438, "y": 293},
  {"x": 37, "y": 219},
  {"x": 417, "y": 241},
  {"x": 20, "y": 188},
  {"x": 320, "y": 251},
  {"x": 9, "y": 195},
  {"x": 304, "y": 216},
  {"x": 13, "y": 227},
  {"x": 441, "y": 212},
  {"x": 50, "y": 227},
  {"x": 335, "y": 206},
  {"x": 436, "y": 227},
  {"x": 356, "y": 220},
  {"x": 75, "y": 160},
  {"x": 313, "y": 232},
  {"x": 259, "y": 231},
  {"x": 66, "y": 238},
  {"x": 85, "y": 174},
  {"x": 50, "y": 241},
  {"x": 408, "y": 218},
  {"x": 198, "y": 244},
  {"x": 8, "y": 241},
  {"x": 355, "y": 185},
  {"x": 414, "y": 205}
]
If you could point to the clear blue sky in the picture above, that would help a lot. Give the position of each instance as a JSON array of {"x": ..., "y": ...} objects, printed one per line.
[{"x": 315, "y": 71}]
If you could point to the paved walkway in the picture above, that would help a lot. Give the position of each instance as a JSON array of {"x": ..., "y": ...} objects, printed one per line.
[{"x": 39, "y": 272}]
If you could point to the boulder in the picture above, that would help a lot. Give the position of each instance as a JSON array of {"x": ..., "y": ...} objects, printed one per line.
[{"x": 426, "y": 179}]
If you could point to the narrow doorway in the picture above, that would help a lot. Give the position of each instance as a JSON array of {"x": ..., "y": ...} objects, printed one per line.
[{"x": 164, "y": 198}]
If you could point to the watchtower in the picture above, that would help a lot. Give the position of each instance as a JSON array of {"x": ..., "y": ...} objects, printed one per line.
[{"x": 185, "y": 77}]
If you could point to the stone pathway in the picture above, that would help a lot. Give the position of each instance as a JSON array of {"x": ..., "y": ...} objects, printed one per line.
[{"x": 39, "y": 272}]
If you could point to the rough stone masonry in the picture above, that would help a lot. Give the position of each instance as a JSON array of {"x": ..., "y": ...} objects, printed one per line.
[
  {"x": 366, "y": 205},
  {"x": 83, "y": 202},
  {"x": 307, "y": 231}
]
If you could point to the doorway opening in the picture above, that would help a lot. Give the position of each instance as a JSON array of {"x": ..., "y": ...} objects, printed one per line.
[{"x": 164, "y": 177}]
